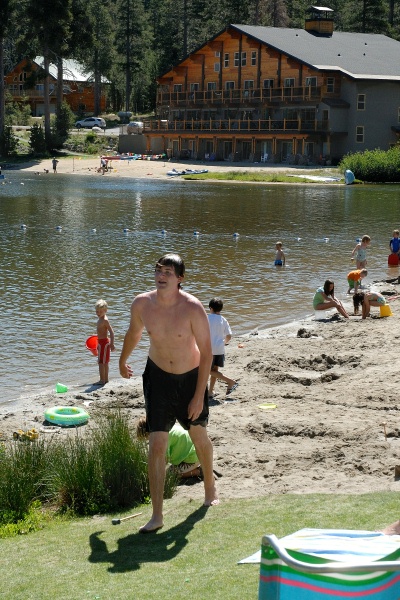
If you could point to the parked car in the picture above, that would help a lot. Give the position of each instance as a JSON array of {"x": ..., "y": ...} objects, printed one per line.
[
  {"x": 90, "y": 122},
  {"x": 135, "y": 127}
]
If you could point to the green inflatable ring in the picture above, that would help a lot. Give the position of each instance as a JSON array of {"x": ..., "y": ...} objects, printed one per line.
[{"x": 66, "y": 416}]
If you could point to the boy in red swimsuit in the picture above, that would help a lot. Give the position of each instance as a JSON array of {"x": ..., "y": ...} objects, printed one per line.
[{"x": 105, "y": 343}]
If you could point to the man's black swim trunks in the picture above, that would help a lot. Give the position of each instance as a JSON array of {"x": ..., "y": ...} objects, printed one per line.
[{"x": 167, "y": 398}]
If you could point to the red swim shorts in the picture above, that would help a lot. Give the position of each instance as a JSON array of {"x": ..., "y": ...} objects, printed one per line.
[{"x": 103, "y": 351}]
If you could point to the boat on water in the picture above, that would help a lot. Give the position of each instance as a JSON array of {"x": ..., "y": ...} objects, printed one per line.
[{"x": 175, "y": 173}]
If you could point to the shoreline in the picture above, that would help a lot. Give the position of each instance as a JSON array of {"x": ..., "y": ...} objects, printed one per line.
[
  {"x": 316, "y": 409},
  {"x": 154, "y": 169}
]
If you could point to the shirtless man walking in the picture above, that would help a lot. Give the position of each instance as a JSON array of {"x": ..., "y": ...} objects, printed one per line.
[{"x": 175, "y": 377}]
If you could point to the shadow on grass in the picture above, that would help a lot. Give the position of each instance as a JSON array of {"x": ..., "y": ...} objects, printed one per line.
[{"x": 136, "y": 548}]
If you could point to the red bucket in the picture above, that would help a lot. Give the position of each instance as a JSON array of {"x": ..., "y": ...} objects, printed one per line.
[{"x": 91, "y": 344}]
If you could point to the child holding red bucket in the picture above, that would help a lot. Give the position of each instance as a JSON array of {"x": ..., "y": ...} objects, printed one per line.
[{"x": 105, "y": 343}]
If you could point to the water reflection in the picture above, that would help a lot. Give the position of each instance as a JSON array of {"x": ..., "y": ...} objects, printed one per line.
[{"x": 51, "y": 279}]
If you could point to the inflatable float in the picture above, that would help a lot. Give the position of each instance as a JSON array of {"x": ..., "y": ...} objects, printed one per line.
[{"x": 66, "y": 416}]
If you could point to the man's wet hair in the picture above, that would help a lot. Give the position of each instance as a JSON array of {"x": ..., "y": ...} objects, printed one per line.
[
  {"x": 172, "y": 260},
  {"x": 216, "y": 304}
]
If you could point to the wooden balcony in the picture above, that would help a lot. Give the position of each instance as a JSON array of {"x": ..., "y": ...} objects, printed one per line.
[
  {"x": 270, "y": 96},
  {"x": 21, "y": 94},
  {"x": 233, "y": 126}
]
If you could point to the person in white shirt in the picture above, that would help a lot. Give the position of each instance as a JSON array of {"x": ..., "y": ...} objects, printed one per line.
[{"x": 221, "y": 335}]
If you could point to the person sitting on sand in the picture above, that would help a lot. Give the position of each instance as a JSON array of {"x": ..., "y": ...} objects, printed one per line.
[
  {"x": 324, "y": 299},
  {"x": 354, "y": 279},
  {"x": 367, "y": 299},
  {"x": 181, "y": 453}
]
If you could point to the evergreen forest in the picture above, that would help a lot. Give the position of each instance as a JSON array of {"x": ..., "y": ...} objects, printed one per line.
[{"x": 131, "y": 42}]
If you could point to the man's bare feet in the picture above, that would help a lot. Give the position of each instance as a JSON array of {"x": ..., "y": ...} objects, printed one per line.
[
  {"x": 393, "y": 529},
  {"x": 152, "y": 526},
  {"x": 214, "y": 502},
  {"x": 211, "y": 497}
]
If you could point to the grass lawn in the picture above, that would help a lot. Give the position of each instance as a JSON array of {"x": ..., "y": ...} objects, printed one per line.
[
  {"x": 267, "y": 177},
  {"x": 194, "y": 557}
]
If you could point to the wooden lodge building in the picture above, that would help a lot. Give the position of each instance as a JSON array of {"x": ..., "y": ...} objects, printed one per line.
[
  {"x": 277, "y": 94},
  {"x": 25, "y": 84}
]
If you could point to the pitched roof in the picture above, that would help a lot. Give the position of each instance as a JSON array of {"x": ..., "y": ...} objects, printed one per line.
[
  {"x": 359, "y": 55},
  {"x": 72, "y": 70}
]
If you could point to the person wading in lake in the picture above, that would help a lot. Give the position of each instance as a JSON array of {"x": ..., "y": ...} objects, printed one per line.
[{"x": 175, "y": 376}]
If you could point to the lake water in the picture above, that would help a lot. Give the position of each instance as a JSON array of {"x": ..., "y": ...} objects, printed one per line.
[{"x": 51, "y": 279}]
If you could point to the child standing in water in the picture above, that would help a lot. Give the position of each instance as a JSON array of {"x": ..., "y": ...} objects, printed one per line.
[
  {"x": 280, "y": 258},
  {"x": 394, "y": 246},
  {"x": 361, "y": 252},
  {"x": 354, "y": 279},
  {"x": 105, "y": 343}
]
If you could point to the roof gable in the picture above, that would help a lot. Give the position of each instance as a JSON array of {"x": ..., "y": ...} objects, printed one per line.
[{"x": 358, "y": 55}]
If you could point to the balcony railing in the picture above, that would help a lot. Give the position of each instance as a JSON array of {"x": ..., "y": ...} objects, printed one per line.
[
  {"x": 251, "y": 96},
  {"x": 237, "y": 125},
  {"x": 16, "y": 92}
]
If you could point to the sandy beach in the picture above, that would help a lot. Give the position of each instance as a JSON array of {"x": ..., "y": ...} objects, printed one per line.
[
  {"x": 317, "y": 406},
  {"x": 154, "y": 169},
  {"x": 316, "y": 409}
]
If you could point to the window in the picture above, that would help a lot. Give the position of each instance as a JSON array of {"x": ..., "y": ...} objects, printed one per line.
[
  {"x": 244, "y": 59},
  {"x": 330, "y": 85},
  {"x": 361, "y": 102},
  {"x": 211, "y": 85},
  {"x": 253, "y": 58},
  {"x": 248, "y": 85},
  {"x": 216, "y": 67},
  {"x": 194, "y": 87},
  {"x": 289, "y": 82},
  {"x": 311, "y": 82},
  {"x": 226, "y": 59},
  {"x": 217, "y": 54},
  {"x": 360, "y": 134},
  {"x": 229, "y": 85},
  {"x": 39, "y": 87},
  {"x": 268, "y": 83},
  {"x": 236, "y": 59},
  {"x": 22, "y": 76},
  {"x": 177, "y": 87}
]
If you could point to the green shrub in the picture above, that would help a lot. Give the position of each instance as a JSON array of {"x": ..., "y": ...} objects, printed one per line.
[
  {"x": 8, "y": 142},
  {"x": 63, "y": 122},
  {"x": 374, "y": 165},
  {"x": 124, "y": 461},
  {"x": 37, "y": 142},
  {"x": 91, "y": 472},
  {"x": 22, "y": 469},
  {"x": 74, "y": 480},
  {"x": 32, "y": 521}
]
